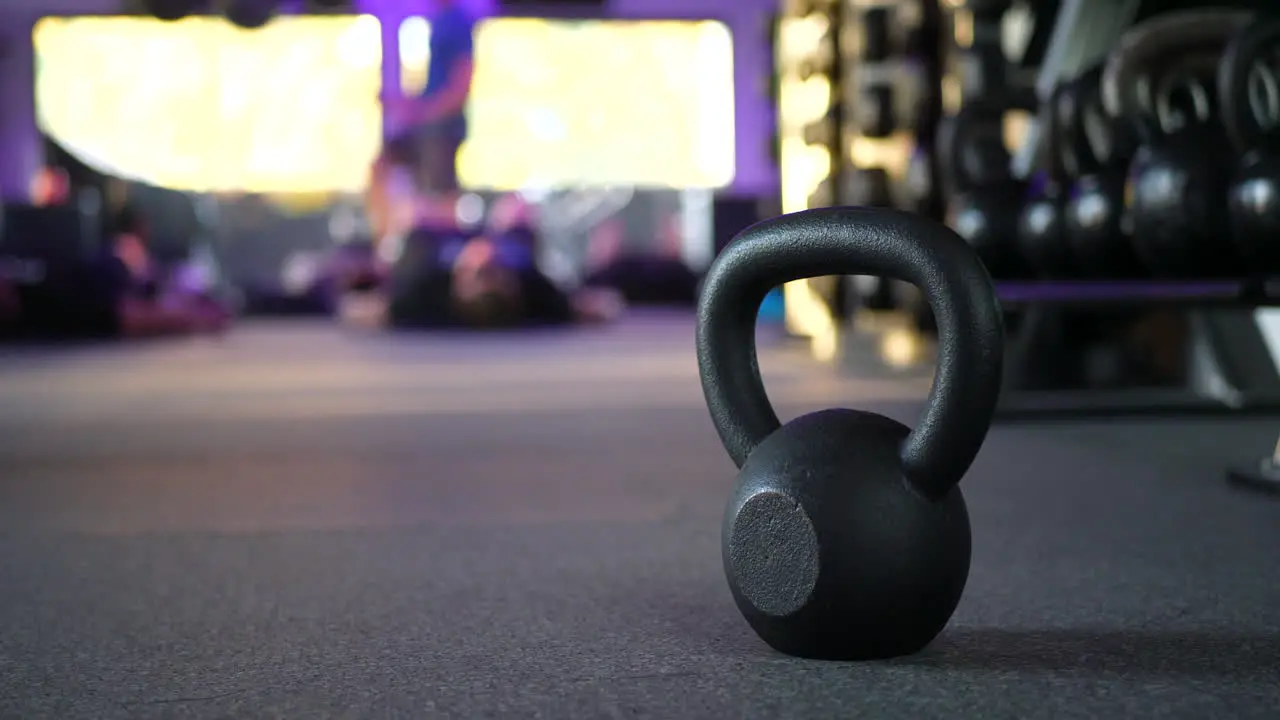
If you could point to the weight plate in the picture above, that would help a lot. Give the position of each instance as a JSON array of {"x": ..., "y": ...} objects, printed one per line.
[{"x": 1249, "y": 86}]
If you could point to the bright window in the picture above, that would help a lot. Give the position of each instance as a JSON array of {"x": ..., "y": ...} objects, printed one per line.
[{"x": 202, "y": 105}]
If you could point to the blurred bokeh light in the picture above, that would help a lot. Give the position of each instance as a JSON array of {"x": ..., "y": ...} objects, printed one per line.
[{"x": 204, "y": 106}]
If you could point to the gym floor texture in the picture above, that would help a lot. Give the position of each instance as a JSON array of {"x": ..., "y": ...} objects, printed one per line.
[{"x": 293, "y": 522}]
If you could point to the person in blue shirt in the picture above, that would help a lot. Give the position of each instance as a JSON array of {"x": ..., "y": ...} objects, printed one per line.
[{"x": 425, "y": 132}]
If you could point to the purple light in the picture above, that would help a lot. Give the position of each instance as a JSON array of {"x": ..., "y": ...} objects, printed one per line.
[{"x": 1084, "y": 291}]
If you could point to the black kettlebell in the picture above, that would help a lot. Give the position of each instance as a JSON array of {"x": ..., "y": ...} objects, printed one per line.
[
  {"x": 847, "y": 537},
  {"x": 1249, "y": 98},
  {"x": 1162, "y": 78},
  {"x": 1041, "y": 228},
  {"x": 983, "y": 195},
  {"x": 1095, "y": 150}
]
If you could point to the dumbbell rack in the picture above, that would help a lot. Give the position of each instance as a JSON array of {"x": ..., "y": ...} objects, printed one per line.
[
  {"x": 809, "y": 137},
  {"x": 880, "y": 60},
  {"x": 1228, "y": 367}
]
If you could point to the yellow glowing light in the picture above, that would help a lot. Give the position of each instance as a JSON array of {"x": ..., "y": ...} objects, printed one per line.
[
  {"x": 291, "y": 108},
  {"x": 808, "y": 315},
  {"x": 901, "y": 348},
  {"x": 891, "y": 153},
  {"x": 962, "y": 26},
  {"x": 797, "y": 37},
  {"x": 604, "y": 103},
  {"x": 203, "y": 105}
]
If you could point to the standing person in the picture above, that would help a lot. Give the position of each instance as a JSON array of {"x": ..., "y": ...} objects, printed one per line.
[{"x": 426, "y": 132}]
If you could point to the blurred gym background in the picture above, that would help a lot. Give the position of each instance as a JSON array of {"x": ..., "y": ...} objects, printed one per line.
[
  {"x": 293, "y": 517},
  {"x": 244, "y": 131},
  {"x": 249, "y": 148}
]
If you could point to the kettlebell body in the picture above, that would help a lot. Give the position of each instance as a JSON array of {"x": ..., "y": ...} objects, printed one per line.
[
  {"x": 1178, "y": 207},
  {"x": 1254, "y": 206},
  {"x": 1094, "y": 221},
  {"x": 846, "y": 537},
  {"x": 983, "y": 196},
  {"x": 836, "y": 531},
  {"x": 1160, "y": 79},
  {"x": 984, "y": 216},
  {"x": 1041, "y": 228},
  {"x": 1042, "y": 233},
  {"x": 1249, "y": 98},
  {"x": 1094, "y": 151}
]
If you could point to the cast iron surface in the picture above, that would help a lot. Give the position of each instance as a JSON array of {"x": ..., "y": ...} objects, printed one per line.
[{"x": 846, "y": 537}]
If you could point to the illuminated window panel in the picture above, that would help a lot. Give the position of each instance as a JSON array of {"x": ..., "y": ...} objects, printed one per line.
[
  {"x": 597, "y": 103},
  {"x": 202, "y": 105}
]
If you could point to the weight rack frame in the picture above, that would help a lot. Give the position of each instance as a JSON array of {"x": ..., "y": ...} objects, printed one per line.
[{"x": 1229, "y": 368}]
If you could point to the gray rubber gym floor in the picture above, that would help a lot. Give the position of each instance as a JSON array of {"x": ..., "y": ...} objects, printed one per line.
[{"x": 297, "y": 523}]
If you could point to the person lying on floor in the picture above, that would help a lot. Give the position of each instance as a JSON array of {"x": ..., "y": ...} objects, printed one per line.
[
  {"x": 112, "y": 295},
  {"x": 451, "y": 279}
]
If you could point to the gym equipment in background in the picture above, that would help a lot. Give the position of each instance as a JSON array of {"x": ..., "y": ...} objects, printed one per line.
[
  {"x": 1041, "y": 235},
  {"x": 1096, "y": 151},
  {"x": 847, "y": 536},
  {"x": 1249, "y": 101},
  {"x": 1162, "y": 78},
  {"x": 984, "y": 196}
]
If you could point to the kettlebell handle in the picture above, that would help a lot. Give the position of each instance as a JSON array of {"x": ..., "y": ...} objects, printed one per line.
[
  {"x": 1243, "y": 62},
  {"x": 1161, "y": 39},
  {"x": 857, "y": 241}
]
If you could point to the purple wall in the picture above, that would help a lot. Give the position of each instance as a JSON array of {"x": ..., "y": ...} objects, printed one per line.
[{"x": 20, "y": 147}]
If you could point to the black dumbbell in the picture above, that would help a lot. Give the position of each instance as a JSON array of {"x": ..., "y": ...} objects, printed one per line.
[
  {"x": 1041, "y": 228},
  {"x": 1095, "y": 150},
  {"x": 1162, "y": 79},
  {"x": 1249, "y": 99},
  {"x": 847, "y": 537}
]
